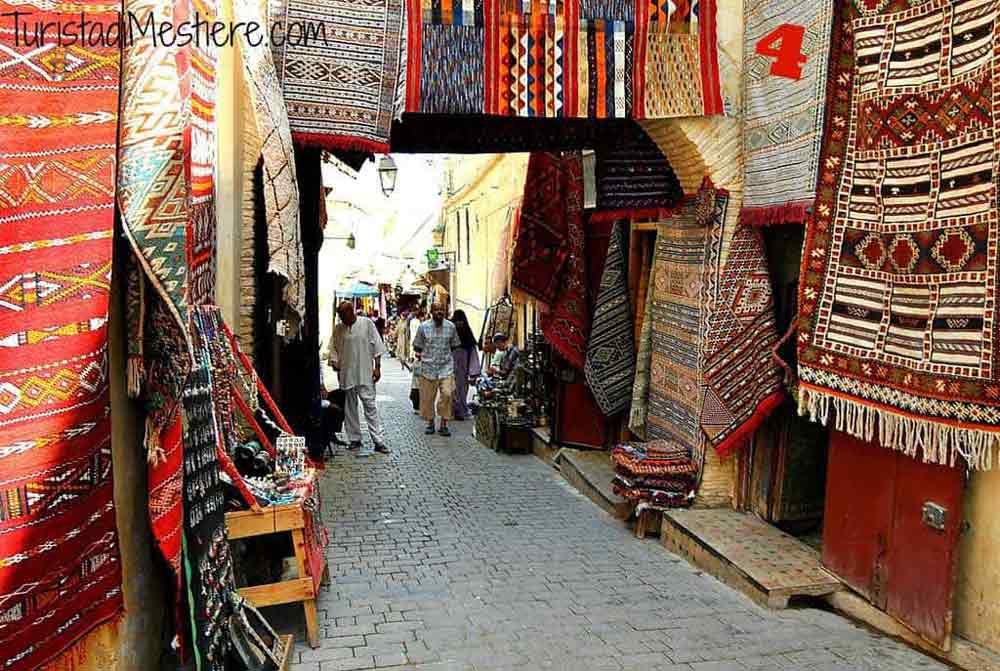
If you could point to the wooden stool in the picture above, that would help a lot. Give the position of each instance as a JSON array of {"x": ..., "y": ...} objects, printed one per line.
[
  {"x": 647, "y": 518},
  {"x": 288, "y": 518}
]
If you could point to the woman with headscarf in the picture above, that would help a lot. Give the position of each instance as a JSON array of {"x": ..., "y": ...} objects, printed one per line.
[{"x": 467, "y": 365}]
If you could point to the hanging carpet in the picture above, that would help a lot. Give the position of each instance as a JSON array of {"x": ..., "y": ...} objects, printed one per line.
[
  {"x": 610, "y": 360},
  {"x": 897, "y": 335},
  {"x": 639, "y": 407},
  {"x": 341, "y": 68},
  {"x": 281, "y": 192},
  {"x": 634, "y": 178},
  {"x": 783, "y": 109},
  {"x": 632, "y": 59},
  {"x": 60, "y": 568},
  {"x": 712, "y": 378}
]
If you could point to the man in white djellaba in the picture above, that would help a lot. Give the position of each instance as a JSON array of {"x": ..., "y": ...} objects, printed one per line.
[{"x": 356, "y": 354}]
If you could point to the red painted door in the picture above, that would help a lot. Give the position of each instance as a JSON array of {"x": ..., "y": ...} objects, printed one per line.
[{"x": 891, "y": 531}]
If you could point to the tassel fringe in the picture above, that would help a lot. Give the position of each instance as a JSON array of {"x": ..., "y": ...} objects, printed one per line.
[
  {"x": 935, "y": 442},
  {"x": 155, "y": 453},
  {"x": 135, "y": 373}
]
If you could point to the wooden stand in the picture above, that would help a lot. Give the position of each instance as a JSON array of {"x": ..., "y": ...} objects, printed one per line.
[
  {"x": 289, "y": 518},
  {"x": 287, "y": 659},
  {"x": 648, "y": 519}
]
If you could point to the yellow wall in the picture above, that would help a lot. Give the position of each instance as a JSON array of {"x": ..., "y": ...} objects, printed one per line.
[
  {"x": 485, "y": 188},
  {"x": 977, "y": 598}
]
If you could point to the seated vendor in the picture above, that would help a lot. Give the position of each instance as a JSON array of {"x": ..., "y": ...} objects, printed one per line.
[{"x": 504, "y": 357}]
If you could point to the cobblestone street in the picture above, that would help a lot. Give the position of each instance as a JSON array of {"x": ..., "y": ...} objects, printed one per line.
[{"x": 445, "y": 555}]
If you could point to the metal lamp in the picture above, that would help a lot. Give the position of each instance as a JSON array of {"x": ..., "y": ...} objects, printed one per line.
[{"x": 387, "y": 174}]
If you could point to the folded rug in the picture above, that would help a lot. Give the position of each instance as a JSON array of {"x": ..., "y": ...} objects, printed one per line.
[
  {"x": 569, "y": 59},
  {"x": 898, "y": 308},
  {"x": 341, "y": 86},
  {"x": 783, "y": 107},
  {"x": 60, "y": 568}
]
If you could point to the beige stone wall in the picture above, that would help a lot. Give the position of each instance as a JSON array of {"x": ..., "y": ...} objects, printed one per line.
[{"x": 977, "y": 598}]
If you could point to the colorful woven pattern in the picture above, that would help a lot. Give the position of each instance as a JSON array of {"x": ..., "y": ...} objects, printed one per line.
[
  {"x": 898, "y": 298},
  {"x": 341, "y": 87},
  {"x": 60, "y": 572},
  {"x": 580, "y": 58},
  {"x": 783, "y": 115},
  {"x": 281, "y": 192},
  {"x": 610, "y": 364},
  {"x": 634, "y": 178}
]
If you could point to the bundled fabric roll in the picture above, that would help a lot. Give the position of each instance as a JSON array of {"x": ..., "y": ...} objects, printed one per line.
[{"x": 662, "y": 473}]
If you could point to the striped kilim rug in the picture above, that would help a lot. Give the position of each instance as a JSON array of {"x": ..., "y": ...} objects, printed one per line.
[
  {"x": 783, "y": 115},
  {"x": 578, "y": 58},
  {"x": 898, "y": 299},
  {"x": 342, "y": 86},
  {"x": 610, "y": 363},
  {"x": 60, "y": 569}
]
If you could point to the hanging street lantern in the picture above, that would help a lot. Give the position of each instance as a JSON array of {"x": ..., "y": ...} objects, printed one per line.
[{"x": 387, "y": 174}]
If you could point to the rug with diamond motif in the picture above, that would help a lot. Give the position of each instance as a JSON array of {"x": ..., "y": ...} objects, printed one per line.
[{"x": 898, "y": 301}]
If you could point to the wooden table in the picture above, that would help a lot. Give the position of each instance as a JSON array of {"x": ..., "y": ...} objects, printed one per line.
[{"x": 287, "y": 518}]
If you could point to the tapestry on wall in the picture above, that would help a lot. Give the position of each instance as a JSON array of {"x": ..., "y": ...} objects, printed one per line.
[
  {"x": 281, "y": 191},
  {"x": 639, "y": 406},
  {"x": 632, "y": 59},
  {"x": 548, "y": 257},
  {"x": 712, "y": 376},
  {"x": 897, "y": 334},
  {"x": 342, "y": 87},
  {"x": 634, "y": 178},
  {"x": 783, "y": 108},
  {"x": 60, "y": 568},
  {"x": 610, "y": 360}
]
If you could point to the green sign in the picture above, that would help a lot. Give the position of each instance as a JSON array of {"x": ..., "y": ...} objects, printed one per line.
[{"x": 432, "y": 257}]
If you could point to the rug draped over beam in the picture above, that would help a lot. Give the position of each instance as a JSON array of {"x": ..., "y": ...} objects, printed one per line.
[
  {"x": 60, "y": 571},
  {"x": 898, "y": 296},
  {"x": 343, "y": 86},
  {"x": 783, "y": 115},
  {"x": 712, "y": 377},
  {"x": 281, "y": 192},
  {"x": 634, "y": 178},
  {"x": 580, "y": 58},
  {"x": 610, "y": 363}
]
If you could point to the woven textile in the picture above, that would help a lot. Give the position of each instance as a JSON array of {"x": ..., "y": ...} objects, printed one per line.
[
  {"x": 639, "y": 409},
  {"x": 783, "y": 116},
  {"x": 341, "y": 86},
  {"x": 634, "y": 178},
  {"x": 541, "y": 247},
  {"x": 281, "y": 192},
  {"x": 631, "y": 59},
  {"x": 898, "y": 304},
  {"x": 610, "y": 363},
  {"x": 60, "y": 571},
  {"x": 712, "y": 377}
]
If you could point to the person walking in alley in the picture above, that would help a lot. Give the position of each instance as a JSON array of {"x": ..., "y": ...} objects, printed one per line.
[
  {"x": 356, "y": 354},
  {"x": 467, "y": 365},
  {"x": 434, "y": 343}
]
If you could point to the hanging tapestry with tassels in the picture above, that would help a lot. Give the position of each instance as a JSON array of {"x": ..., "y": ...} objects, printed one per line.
[
  {"x": 898, "y": 302},
  {"x": 340, "y": 63},
  {"x": 610, "y": 362},
  {"x": 633, "y": 59},
  {"x": 60, "y": 567},
  {"x": 784, "y": 105}
]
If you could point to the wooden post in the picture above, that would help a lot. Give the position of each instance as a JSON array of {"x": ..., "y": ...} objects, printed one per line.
[{"x": 309, "y": 605}]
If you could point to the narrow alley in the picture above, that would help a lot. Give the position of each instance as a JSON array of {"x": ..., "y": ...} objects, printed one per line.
[{"x": 446, "y": 555}]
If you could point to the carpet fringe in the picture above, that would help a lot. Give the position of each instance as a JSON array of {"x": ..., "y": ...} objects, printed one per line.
[{"x": 935, "y": 442}]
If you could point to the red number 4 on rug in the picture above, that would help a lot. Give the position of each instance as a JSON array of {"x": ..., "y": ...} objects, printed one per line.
[{"x": 784, "y": 45}]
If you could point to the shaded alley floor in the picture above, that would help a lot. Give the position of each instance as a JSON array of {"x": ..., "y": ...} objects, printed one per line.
[{"x": 445, "y": 556}]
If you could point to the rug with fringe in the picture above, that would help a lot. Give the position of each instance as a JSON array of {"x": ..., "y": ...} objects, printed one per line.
[
  {"x": 60, "y": 567},
  {"x": 898, "y": 299}
]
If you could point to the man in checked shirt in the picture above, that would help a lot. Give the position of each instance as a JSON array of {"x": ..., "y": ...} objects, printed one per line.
[{"x": 433, "y": 344}]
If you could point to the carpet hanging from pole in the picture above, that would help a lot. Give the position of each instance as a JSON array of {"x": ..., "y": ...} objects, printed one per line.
[
  {"x": 783, "y": 108},
  {"x": 610, "y": 361},
  {"x": 634, "y": 178},
  {"x": 898, "y": 301},
  {"x": 342, "y": 86},
  {"x": 281, "y": 191},
  {"x": 603, "y": 60},
  {"x": 60, "y": 568}
]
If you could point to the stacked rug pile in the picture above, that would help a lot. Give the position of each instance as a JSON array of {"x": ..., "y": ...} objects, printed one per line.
[{"x": 661, "y": 473}]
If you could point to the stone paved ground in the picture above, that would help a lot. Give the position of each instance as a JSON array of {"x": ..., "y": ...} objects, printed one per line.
[{"x": 448, "y": 556}]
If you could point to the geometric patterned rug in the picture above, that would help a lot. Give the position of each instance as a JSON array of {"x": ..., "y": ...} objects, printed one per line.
[
  {"x": 898, "y": 297},
  {"x": 60, "y": 571}
]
